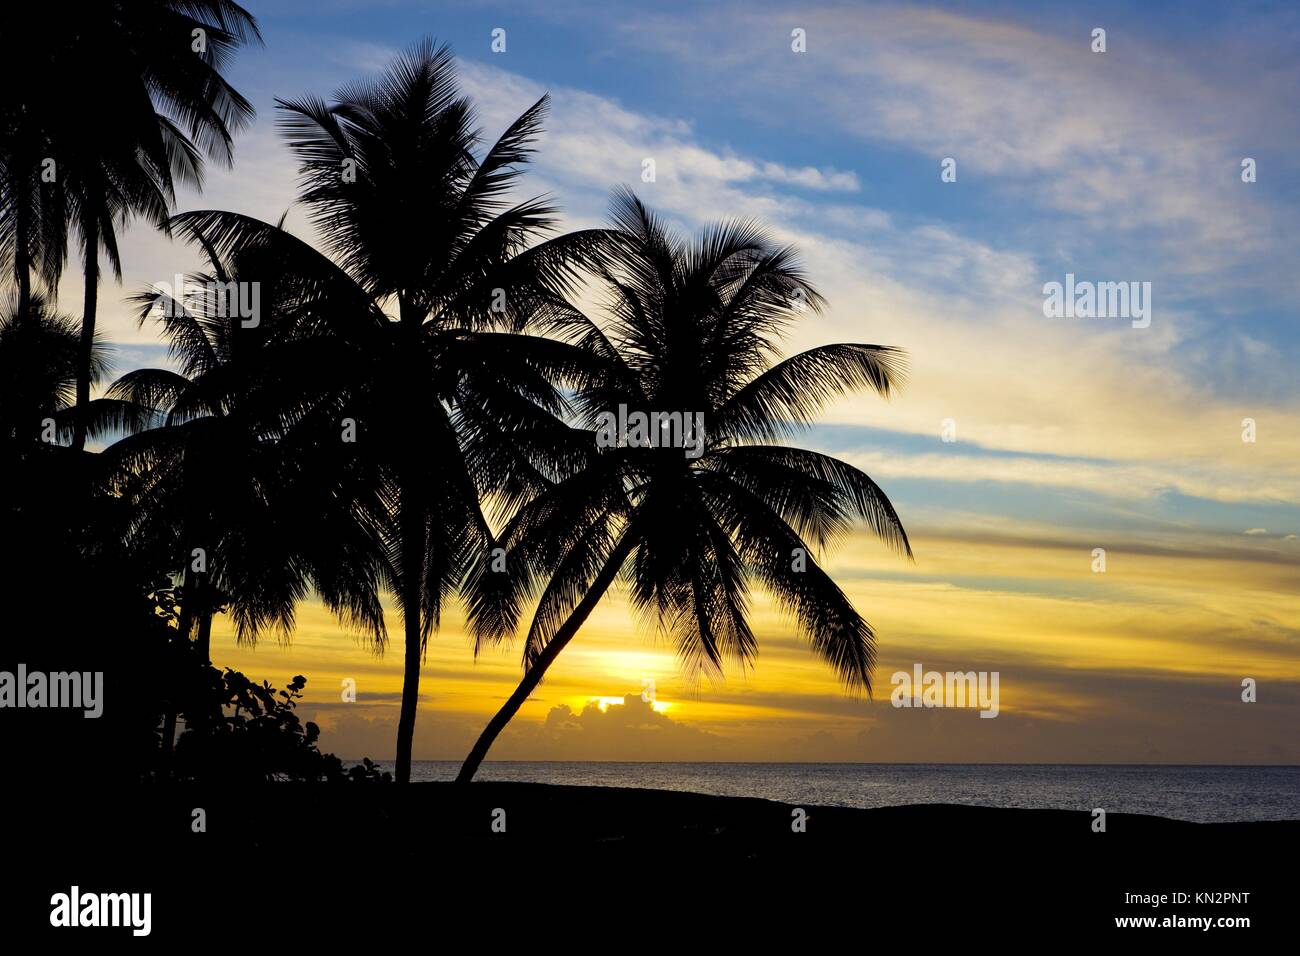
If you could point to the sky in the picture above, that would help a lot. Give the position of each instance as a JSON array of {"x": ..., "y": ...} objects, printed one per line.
[{"x": 1021, "y": 443}]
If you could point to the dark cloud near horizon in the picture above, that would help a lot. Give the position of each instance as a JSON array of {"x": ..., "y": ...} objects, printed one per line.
[{"x": 1143, "y": 719}]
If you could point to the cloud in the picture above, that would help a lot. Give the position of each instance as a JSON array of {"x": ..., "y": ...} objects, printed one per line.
[
  {"x": 1086, "y": 716},
  {"x": 945, "y": 296},
  {"x": 930, "y": 287},
  {"x": 1126, "y": 481},
  {"x": 632, "y": 730},
  {"x": 1124, "y": 142}
]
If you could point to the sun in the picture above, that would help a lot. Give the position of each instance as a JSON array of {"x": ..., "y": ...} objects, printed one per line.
[{"x": 604, "y": 703}]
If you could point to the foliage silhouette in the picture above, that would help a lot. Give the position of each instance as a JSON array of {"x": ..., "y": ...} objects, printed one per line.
[
  {"x": 437, "y": 326},
  {"x": 258, "y": 736},
  {"x": 693, "y": 326},
  {"x": 67, "y": 163},
  {"x": 451, "y": 399}
]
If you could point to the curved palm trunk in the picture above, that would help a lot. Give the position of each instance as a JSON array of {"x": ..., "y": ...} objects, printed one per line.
[
  {"x": 412, "y": 529},
  {"x": 534, "y": 675},
  {"x": 410, "y": 695},
  {"x": 87, "y": 334}
]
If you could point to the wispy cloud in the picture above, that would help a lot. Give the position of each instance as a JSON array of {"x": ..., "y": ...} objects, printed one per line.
[{"x": 1122, "y": 143}]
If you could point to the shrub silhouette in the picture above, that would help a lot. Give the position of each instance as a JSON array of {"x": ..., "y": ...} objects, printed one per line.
[{"x": 254, "y": 735}]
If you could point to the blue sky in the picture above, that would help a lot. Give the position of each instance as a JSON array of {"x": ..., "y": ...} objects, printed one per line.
[{"x": 1115, "y": 166}]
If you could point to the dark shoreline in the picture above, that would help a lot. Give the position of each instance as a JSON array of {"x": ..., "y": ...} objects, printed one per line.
[
  {"x": 428, "y": 852},
  {"x": 1238, "y": 797},
  {"x": 846, "y": 763}
]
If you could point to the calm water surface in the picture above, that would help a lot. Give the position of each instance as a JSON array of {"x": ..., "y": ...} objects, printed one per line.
[{"x": 1204, "y": 794}]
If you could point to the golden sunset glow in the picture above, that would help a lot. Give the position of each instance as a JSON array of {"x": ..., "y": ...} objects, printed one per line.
[
  {"x": 1020, "y": 444},
  {"x": 1081, "y": 656}
]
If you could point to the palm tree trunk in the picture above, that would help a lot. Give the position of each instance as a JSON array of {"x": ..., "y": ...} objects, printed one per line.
[
  {"x": 534, "y": 675},
  {"x": 194, "y": 612},
  {"x": 86, "y": 350},
  {"x": 410, "y": 693},
  {"x": 169, "y": 717},
  {"x": 192, "y": 609},
  {"x": 204, "y": 642},
  {"x": 22, "y": 258},
  {"x": 411, "y": 527},
  {"x": 24, "y": 291},
  {"x": 168, "y": 740},
  {"x": 412, "y": 530}
]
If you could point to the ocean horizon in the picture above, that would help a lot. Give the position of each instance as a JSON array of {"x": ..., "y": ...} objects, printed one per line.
[{"x": 1202, "y": 794}]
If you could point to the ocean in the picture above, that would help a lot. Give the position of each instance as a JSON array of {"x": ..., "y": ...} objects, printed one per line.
[{"x": 1202, "y": 794}]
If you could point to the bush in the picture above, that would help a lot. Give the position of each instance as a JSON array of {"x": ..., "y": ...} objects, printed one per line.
[{"x": 238, "y": 731}]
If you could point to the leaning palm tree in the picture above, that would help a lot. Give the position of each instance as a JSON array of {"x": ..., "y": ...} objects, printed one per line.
[
  {"x": 694, "y": 515},
  {"x": 419, "y": 225},
  {"x": 160, "y": 62}
]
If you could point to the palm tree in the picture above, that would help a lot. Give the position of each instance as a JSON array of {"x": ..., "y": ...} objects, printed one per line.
[
  {"x": 103, "y": 191},
  {"x": 417, "y": 222},
  {"x": 693, "y": 328},
  {"x": 222, "y": 455},
  {"x": 33, "y": 217},
  {"x": 48, "y": 520},
  {"x": 38, "y": 375},
  {"x": 222, "y": 468},
  {"x": 160, "y": 63}
]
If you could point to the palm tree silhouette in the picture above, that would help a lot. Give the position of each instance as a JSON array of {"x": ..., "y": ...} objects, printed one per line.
[
  {"x": 416, "y": 222},
  {"x": 693, "y": 327},
  {"x": 223, "y": 468},
  {"x": 33, "y": 219},
  {"x": 160, "y": 63},
  {"x": 39, "y": 357},
  {"x": 225, "y": 455}
]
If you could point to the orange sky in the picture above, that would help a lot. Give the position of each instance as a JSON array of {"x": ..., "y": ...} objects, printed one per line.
[{"x": 1140, "y": 664}]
